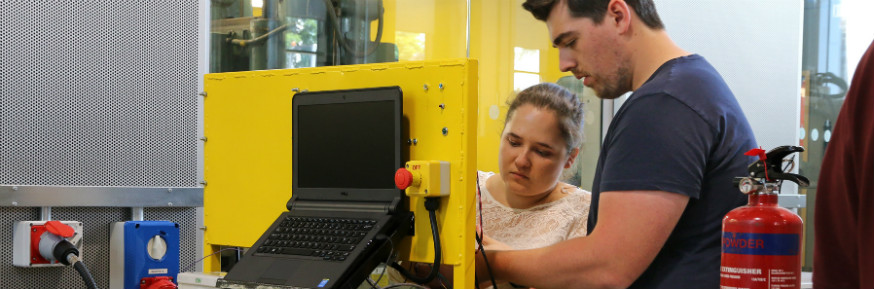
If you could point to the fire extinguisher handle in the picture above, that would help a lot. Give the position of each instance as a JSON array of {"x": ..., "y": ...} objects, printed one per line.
[
  {"x": 802, "y": 181},
  {"x": 772, "y": 164},
  {"x": 780, "y": 152}
]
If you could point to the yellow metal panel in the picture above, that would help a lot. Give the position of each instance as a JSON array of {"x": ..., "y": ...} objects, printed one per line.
[
  {"x": 248, "y": 148},
  {"x": 497, "y": 27}
]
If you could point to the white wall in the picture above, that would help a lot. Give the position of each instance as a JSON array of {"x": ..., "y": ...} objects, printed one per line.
[{"x": 756, "y": 46}]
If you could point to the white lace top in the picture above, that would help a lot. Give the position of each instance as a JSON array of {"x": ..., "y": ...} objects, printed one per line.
[{"x": 538, "y": 226}]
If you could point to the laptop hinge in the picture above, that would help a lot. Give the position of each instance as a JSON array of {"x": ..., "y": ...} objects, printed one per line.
[{"x": 344, "y": 206}]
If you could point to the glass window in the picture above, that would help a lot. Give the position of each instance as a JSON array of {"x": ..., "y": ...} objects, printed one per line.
[{"x": 836, "y": 34}]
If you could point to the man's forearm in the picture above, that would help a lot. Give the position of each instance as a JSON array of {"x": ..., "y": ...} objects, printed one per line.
[{"x": 569, "y": 264}]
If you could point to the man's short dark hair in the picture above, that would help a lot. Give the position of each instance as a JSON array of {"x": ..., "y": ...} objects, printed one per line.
[{"x": 596, "y": 9}]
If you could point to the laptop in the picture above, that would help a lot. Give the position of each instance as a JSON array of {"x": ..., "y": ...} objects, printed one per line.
[{"x": 346, "y": 148}]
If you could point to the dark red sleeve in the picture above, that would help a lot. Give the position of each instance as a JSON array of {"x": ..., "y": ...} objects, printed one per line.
[{"x": 844, "y": 211}]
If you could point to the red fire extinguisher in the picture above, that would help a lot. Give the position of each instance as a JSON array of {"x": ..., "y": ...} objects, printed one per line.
[{"x": 761, "y": 241}]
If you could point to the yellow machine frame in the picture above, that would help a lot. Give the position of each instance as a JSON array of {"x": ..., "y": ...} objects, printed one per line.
[{"x": 248, "y": 166}]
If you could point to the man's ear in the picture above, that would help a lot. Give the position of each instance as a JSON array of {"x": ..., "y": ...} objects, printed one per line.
[
  {"x": 571, "y": 158},
  {"x": 619, "y": 14}
]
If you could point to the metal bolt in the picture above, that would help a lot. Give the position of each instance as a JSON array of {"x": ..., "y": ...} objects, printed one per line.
[
  {"x": 445, "y": 131},
  {"x": 415, "y": 141},
  {"x": 442, "y": 106},
  {"x": 169, "y": 190},
  {"x": 295, "y": 89},
  {"x": 203, "y": 183},
  {"x": 15, "y": 203},
  {"x": 15, "y": 188},
  {"x": 34, "y": 230},
  {"x": 426, "y": 87},
  {"x": 441, "y": 86},
  {"x": 203, "y": 138},
  {"x": 409, "y": 141},
  {"x": 202, "y": 93},
  {"x": 170, "y": 204}
]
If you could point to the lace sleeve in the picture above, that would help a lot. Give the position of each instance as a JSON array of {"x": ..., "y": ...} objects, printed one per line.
[{"x": 580, "y": 227}]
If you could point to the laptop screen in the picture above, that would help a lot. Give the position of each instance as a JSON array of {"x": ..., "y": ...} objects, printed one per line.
[{"x": 346, "y": 141}]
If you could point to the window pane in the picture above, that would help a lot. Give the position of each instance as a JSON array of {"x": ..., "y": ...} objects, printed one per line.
[
  {"x": 527, "y": 60},
  {"x": 522, "y": 80}
]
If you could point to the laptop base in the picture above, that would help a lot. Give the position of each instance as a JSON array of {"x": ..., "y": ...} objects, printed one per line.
[{"x": 356, "y": 276}]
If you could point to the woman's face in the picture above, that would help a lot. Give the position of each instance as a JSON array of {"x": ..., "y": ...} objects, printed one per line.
[{"x": 532, "y": 152}]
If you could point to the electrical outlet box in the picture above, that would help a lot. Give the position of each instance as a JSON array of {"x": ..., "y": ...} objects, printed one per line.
[
  {"x": 141, "y": 252},
  {"x": 25, "y": 244},
  {"x": 430, "y": 178}
]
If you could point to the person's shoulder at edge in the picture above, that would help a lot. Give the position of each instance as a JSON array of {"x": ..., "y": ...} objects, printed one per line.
[
  {"x": 684, "y": 79},
  {"x": 685, "y": 70},
  {"x": 576, "y": 191},
  {"x": 577, "y": 196}
]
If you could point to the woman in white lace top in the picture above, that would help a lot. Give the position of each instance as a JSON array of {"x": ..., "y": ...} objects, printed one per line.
[
  {"x": 538, "y": 226},
  {"x": 527, "y": 206}
]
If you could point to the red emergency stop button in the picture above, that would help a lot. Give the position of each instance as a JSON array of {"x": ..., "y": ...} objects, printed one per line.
[
  {"x": 60, "y": 229},
  {"x": 403, "y": 178}
]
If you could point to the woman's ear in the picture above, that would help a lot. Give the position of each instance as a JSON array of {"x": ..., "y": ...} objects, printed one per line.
[{"x": 571, "y": 158}]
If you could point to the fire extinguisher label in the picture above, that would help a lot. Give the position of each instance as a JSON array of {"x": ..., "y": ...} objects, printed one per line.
[
  {"x": 760, "y": 261},
  {"x": 760, "y": 244}
]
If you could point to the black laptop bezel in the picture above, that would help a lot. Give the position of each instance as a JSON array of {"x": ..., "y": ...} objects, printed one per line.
[{"x": 391, "y": 93}]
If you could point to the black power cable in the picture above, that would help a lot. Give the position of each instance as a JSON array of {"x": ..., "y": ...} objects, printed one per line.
[
  {"x": 431, "y": 204},
  {"x": 479, "y": 240},
  {"x": 67, "y": 254},
  {"x": 86, "y": 276},
  {"x": 486, "y": 260},
  {"x": 391, "y": 252}
]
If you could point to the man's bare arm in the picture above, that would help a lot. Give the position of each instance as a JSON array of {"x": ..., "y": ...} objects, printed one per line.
[{"x": 632, "y": 228}]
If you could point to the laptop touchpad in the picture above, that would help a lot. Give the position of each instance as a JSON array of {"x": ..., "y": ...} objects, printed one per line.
[{"x": 278, "y": 272}]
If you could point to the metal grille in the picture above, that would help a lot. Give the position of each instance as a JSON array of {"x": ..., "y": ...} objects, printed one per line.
[
  {"x": 99, "y": 93},
  {"x": 97, "y": 223}
]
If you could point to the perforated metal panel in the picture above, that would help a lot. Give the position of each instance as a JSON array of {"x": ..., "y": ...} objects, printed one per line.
[
  {"x": 97, "y": 223},
  {"x": 99, "y": 93}
]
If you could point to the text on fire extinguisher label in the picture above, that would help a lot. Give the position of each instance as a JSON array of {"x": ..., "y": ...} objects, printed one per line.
[{"x": 760, "y": 244}]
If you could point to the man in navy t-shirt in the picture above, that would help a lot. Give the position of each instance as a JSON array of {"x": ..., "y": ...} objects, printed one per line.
[{"x": 663, "y": 181}]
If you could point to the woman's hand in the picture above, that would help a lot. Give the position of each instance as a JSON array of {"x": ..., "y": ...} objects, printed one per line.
[{"x": 492, "y": 244}]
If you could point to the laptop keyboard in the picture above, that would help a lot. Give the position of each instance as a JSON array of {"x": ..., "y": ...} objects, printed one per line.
[{"x": 327, "y": 238}]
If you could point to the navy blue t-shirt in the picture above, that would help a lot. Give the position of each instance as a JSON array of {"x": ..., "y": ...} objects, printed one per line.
[{"x": 681, "y": 132}]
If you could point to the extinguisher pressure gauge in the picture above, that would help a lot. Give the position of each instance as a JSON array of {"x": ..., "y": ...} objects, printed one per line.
[{"x": 747, "y": 186}]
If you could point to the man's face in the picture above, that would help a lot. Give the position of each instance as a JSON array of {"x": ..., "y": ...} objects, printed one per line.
[{"x": 590, "y": 51}]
